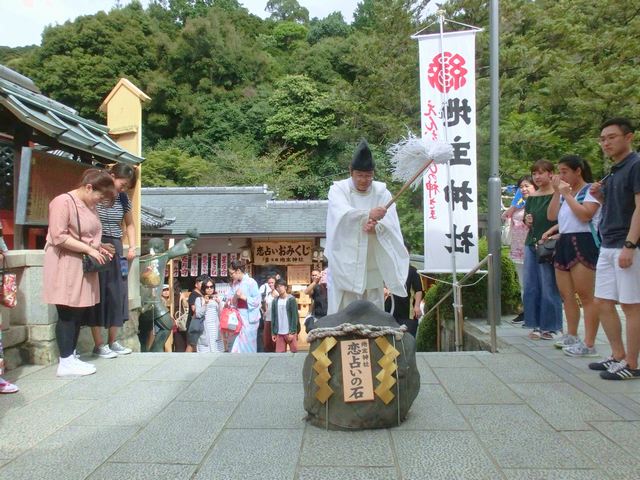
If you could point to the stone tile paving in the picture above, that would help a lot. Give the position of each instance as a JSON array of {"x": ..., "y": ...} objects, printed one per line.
[{"x": 524, "y": 413}]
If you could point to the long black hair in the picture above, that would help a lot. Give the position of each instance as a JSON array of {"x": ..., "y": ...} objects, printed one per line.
[
  {"x": 122, "y": 170},
  {"x": 575, "y": 162}
]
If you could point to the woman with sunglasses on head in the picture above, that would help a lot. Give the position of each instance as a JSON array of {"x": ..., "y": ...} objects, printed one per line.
[
  {"x": 74, "y": 230},
  {"x": 208, "y": 308}
]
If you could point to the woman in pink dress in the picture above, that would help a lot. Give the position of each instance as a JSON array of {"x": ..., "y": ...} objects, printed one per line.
[{"x": 75, "y": 229}]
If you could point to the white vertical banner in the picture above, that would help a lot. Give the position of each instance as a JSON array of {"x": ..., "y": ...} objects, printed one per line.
[{"x": 447, "y": 93}]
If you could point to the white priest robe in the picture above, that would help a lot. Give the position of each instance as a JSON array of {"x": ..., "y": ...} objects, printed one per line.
[{"x": 360, "y": 263}]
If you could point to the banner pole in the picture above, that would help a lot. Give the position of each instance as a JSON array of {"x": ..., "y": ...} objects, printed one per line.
[
  {"x": 494, "y": 184},
  {"x": 445, "y": 101}
]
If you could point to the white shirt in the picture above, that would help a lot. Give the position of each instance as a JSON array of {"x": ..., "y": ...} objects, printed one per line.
[
  {"x": 268, "y": 298},
  {"x": 569, "y": 223},
  {"x": 283, "y": 318}
]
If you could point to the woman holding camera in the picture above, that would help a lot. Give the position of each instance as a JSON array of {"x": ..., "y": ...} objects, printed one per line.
[
  {"x": 113, "y": 309},
  {"x": 577, "y": 250},
  {"x": 208, "y": 309}
]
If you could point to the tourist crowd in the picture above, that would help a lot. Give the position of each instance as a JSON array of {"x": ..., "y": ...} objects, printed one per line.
[{"x": 575, "y": 245}]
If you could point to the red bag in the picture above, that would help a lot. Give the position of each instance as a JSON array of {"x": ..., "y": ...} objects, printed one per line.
[
  {"x": 230, "y": 320},
  {"x": 9, "y": 292}
]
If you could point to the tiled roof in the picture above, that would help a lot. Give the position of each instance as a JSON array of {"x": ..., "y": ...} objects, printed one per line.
[
  {"x": 236, "y": 211},
  {"x": 153, "y": 218},
  {"x": 58, "y": 121}
]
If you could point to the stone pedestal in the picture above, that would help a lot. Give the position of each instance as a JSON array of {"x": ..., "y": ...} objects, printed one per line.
[{"x": 29, "y": 328}]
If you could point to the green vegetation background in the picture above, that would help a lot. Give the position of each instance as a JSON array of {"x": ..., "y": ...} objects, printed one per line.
[{"x": 237, "y": 100}]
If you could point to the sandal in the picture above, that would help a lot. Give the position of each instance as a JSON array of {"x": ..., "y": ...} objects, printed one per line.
[
  {"x": 6, "y": 387},
  {"x": 548, "y": 335},
  {"x": 534, "y": 335}
]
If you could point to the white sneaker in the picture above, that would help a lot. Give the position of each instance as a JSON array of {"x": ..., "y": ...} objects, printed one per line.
[
  {"x": 119, "y": 349},
  {"x": 70, "y": 367},
  {"x": 76, "y": 355},
  {"x": 566, "y": 341},
  {"x": 104, "y": 351}
]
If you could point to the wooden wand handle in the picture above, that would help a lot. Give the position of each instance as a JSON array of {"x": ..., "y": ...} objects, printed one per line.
[{"x": 407, "y": 183}]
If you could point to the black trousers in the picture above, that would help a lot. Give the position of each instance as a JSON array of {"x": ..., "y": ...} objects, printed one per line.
[{"x": 68, "y": 327}]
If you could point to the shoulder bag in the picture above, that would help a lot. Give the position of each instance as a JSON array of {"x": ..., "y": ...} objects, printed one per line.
[
  {"x": 546, "y": 250},
  {"x": 89, "y": 264}
]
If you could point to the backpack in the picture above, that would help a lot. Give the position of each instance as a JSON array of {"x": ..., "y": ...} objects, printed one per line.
[{"x": 580, "y": 199}]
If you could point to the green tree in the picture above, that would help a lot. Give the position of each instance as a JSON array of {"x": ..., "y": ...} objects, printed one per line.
[
  {"x": 331, "y": 26},
  {"x": 287, "y": 32},
  {"x": 81, "y": 61},
  {"x": 289, "y": 10},
  {"x": 302, "y": 115},
  {"x": 174, "y": 168}
]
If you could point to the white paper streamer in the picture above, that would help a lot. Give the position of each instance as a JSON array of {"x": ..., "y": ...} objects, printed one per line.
[{"x": 411, "y": 153}]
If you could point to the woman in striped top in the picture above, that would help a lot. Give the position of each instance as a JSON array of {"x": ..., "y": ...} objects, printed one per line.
[{"x": 113, "y": 309}]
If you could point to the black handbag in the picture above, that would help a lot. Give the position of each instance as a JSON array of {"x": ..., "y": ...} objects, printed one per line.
[
  {"x": 546, "y": 250},
  {"x": 89, "y": 264}
]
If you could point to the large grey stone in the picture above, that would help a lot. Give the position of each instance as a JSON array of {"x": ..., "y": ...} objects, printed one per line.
[{"x": 370, "y": 414}]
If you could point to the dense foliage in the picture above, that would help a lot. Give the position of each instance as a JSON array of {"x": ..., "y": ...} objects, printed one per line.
[{"x": 237, "y": 100}]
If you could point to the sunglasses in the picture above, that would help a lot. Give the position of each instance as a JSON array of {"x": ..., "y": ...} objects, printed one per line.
[{"x": 208, "y": 286}]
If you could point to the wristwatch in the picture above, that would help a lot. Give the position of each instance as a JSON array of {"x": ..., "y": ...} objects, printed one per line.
[{"x": 628, "y": 244}]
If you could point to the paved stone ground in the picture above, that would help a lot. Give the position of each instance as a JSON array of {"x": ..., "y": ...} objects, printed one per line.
[{"x": 527, "y": 412}]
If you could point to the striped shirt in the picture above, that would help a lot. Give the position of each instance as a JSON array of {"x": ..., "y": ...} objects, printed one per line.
[{"x": 111, "y": 217}]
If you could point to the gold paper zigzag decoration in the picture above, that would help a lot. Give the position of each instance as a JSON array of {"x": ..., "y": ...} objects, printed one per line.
[
  {"x": 388, "y": 365},
  {"x": 321, "y": 366}
]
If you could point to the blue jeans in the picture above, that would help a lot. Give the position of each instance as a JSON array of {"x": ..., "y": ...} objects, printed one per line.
[{"x": 542, "y": 302}]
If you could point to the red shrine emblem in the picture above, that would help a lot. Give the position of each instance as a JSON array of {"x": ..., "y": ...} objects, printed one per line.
[{"x": 452, "y": 76}]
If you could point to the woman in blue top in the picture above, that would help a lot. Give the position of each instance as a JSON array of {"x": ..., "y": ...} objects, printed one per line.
[{"x": 113, "y": 309}]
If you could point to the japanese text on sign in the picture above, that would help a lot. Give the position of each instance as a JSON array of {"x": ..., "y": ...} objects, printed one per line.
[
  {"x": 448, "y": 106},
  {"x": 357, "y": 380},
  {"x": 282, "y": 253}
]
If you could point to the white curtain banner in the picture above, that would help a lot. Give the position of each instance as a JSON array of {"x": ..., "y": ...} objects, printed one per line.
[{"x": 448, "y": 94}]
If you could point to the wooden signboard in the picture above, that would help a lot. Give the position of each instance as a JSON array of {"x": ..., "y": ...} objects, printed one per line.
[
  {"x": 42, "y": 178},
  {"x": 280, "y": 252},
  {"x": 357, "y": 379},
  {"x": 299, "y": 274}
]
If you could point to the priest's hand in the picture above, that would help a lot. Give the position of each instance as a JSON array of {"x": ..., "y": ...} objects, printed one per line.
[
  {"x": 377, "y": 213},
  {"x": 370, "y": 226}
]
